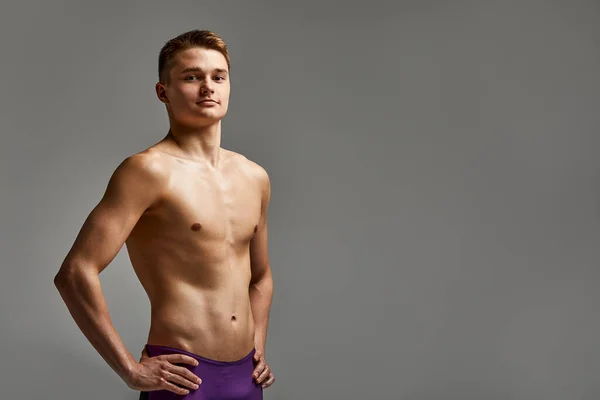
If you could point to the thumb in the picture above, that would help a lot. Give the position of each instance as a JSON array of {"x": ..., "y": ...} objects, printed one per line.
[{"x": 144, "y": 353}]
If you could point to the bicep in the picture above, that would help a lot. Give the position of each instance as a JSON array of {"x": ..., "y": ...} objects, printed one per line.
[
  {"x": 130, "y": 191},
  {"x": 259, "y": 249},
  {"x": 259, "y": 253}
]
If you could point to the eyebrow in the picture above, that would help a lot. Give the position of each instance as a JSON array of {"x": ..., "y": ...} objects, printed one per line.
[{"x": 198, "y": 69}]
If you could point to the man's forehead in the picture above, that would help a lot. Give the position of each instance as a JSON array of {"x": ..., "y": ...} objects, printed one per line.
[{"x": 200, "y": 57}]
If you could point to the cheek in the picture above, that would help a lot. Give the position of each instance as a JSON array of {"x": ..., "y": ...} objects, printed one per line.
[
  {"x": 185, "y": 101},
  {"x": 225, "y": 97},
  {"x": 224, "y": 105},
  {"x": 184, "y": 92},
  {"x": 189, "y": 92}
]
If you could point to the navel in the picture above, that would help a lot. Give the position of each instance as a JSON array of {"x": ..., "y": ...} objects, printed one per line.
[
  {"x": 196, "y": 227},
  {"x": 233, "y": 318}
]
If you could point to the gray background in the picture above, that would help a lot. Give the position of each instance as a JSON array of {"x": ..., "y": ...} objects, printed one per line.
[{"x": 434, "y": 220}]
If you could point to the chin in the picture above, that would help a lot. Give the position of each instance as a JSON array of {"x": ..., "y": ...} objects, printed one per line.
[{"x": 201, "y": 122}]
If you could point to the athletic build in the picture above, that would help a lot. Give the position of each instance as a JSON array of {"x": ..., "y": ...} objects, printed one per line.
[{"x": 194, "y": 219}]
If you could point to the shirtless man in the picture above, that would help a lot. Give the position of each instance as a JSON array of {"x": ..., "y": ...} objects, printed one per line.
[{"x": 194, "y": 219}]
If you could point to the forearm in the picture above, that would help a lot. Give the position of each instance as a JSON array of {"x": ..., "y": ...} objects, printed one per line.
[
  {"x": 83, "y": 296},
  {"x": 261, "y": 294}
]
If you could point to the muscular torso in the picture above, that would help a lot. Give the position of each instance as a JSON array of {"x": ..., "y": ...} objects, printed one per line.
[{"x": 190, "y": 251}]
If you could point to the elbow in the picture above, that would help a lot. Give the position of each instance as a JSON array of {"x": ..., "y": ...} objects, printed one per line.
[
  {"x": 62, "y": 278},
  {"x": 67, "y": 274},
  {"x": 264, "y": 278}
]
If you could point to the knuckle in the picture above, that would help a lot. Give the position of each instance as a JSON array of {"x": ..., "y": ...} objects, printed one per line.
[
  {"x": 176, "y": 370},
  {"x": 192, "y": 377},
  {"x": 180, "y": 389},
  {"x": 186, "y": 373},
  {"x": 184, "y": 382}
]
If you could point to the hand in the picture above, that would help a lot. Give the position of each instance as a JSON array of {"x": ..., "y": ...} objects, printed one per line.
[
  {"x": 262, "y": 373},
  {"x": 160, "y": 373}
]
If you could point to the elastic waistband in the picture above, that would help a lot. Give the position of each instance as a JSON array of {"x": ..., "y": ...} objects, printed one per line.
[{"x": 200, "y": 358}]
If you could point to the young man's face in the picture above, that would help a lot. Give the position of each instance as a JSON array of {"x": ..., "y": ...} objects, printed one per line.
[{"x": 197, "y": 75}]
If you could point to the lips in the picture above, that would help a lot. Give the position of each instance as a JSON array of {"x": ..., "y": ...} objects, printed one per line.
[{"x": 207, "y": 101}]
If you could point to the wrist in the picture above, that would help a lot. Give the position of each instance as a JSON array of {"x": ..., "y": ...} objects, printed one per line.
[
  {"x": 129, "y": 371},
  {"x": 260, "y": 348}
]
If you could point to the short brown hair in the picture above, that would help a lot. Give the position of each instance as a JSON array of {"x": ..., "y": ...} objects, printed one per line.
[{"x": 188, "y": 40}]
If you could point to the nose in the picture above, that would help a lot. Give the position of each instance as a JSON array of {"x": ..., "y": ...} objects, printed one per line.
[{"x": 207, "y": 87}]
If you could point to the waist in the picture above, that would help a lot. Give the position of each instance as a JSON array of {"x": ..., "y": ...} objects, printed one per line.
[
  {"x": 156, "y": 350},
  {"x": 212, "y": 335}
]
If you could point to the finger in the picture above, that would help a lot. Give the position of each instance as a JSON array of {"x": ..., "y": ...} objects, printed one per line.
[
  {"x": 144, "y": 353},
  {"x": 186, "y": 373},
  {"x": 257, "y": 355},
  {"x": 180, "y": 359},
  {"x": 269, "y": 381},
  {"x": 264, "y": 374},
  {"x": 173, "y": 388},
  {"x": 258, "y": 369},
  {"x": 180, "y": 380}
]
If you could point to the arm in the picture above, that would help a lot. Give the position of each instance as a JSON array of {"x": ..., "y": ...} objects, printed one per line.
[
  {"x": 261, "y": 283},
  {"x": 132, "y": 188}
]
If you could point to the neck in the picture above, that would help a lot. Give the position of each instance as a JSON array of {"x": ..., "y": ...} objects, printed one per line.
[{"x": 197, "y": 143}]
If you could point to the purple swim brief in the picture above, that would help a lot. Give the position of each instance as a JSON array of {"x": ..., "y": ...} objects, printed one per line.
[{"x": 221, "y": 380}]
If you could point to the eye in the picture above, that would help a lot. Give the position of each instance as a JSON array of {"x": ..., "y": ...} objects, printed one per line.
[
  {"x": 191, "y": 76},
  {"x": 222, "y": 77}
]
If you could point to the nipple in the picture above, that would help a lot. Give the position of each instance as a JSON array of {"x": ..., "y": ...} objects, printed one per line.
[{"x": 196, "y": 227}]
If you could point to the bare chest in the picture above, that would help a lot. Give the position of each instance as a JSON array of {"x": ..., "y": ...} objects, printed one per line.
[{"x": 222, "y": 207}]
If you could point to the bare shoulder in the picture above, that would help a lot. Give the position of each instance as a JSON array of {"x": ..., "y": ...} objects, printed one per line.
[
  {"x": 251, "y": 168},
  {"x": 144, "y": 170}
]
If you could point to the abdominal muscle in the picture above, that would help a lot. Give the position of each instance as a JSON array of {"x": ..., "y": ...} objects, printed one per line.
[{"x": 200, "y": 307}]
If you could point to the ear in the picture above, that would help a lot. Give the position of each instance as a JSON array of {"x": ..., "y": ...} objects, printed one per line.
[{"x": 161, "y": 92}]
